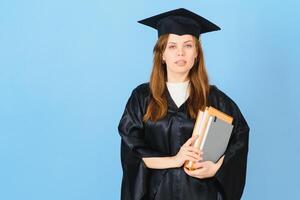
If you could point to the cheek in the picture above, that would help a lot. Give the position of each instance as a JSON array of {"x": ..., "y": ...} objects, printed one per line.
[
  {"x": 169, "y": 57},
  {"x": 192, "y": 58}
]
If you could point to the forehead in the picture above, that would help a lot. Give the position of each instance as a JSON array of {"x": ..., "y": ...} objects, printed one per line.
[{"x": 180, "y": 38}]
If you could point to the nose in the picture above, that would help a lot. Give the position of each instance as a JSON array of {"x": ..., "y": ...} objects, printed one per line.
[{"x": 180, "y": 52}]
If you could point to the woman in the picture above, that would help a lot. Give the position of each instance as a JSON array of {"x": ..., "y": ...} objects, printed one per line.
[{"x": 157, "y": 124}]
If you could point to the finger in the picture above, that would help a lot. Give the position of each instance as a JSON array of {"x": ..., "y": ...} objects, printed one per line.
[
  {"x": 190, "y": 158},
  {"x": 193, "y": 149},
  {"x": 220, "y": 161},
  {"x": 186, "y": 149},
  {"x": 191, "y": 140},
  {"x": 193, "y": 172},
  {"x": 188, "y": 172},
  {"x": 193, "y": 155},
  {"x": 198, "y": 165},
  {"x": 202, "y": 171},
  {"x": 201, "y": 164},
  {"x": 188, "y": 142},
  {"x": 194, "y": 137}
]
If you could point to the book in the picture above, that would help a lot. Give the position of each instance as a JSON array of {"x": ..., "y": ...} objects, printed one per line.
[{"x": 214, "y": 129}]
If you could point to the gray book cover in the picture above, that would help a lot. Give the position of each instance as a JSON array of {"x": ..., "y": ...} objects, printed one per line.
[{"x": 216, "y": 138}]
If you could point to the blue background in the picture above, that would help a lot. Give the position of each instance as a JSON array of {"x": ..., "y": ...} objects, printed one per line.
[{"x": 68, "y": 67}]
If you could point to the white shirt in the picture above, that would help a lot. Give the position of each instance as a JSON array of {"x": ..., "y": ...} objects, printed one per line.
[{"x": 179, "y": 91}]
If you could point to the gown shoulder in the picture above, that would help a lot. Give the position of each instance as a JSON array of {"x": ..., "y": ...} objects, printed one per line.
[
  {"x": 142, "y": 90},
  {"x": 219, "y": 99}
]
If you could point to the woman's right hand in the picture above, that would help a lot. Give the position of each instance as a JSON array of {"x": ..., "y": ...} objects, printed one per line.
[{"x": 187, "y": 153}]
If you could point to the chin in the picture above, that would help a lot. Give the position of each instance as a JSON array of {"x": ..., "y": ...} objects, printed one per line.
[{"x": 181, "y": 70}]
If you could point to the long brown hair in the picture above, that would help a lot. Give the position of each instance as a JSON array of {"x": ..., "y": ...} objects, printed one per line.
[{"x": 199, "y": 83}]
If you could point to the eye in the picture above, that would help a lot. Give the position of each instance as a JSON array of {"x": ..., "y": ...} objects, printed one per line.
[
  {"x": 189, "y": 45},
  {"x": 172, "y": 47}
]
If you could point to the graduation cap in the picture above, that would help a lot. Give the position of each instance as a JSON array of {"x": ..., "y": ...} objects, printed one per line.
[{"x": 180, "y": 21}]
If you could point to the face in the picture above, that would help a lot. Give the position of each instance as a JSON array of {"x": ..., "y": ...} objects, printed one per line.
[{"x": 180, "y": 54}]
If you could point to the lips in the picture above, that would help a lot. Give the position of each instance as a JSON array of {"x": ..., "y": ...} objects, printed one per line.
[{"x": 180, "y": 62}]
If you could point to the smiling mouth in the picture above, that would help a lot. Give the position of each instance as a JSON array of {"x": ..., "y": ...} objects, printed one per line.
[{"x": 180, "y": 62}]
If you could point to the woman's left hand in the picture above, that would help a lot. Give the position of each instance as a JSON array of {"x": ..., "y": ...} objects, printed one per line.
[{"x": 205, "y": 169}]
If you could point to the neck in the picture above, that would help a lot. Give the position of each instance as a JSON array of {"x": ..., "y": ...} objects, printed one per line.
[{"x": 177, "y": 78}]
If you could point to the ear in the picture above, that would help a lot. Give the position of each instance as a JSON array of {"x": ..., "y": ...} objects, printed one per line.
[{"x": 163, "y": 56}]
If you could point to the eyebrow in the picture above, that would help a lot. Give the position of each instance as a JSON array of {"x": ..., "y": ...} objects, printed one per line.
[{"x": 184, "y": 42}]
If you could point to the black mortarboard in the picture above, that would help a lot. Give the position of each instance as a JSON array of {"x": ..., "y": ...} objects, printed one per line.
[{"x": 180, "y": 21}]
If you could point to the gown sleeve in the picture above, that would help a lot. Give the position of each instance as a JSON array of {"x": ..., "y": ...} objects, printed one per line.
[
  {"x": 134, "y": 148},
  {"x": 232, "y": 173}
]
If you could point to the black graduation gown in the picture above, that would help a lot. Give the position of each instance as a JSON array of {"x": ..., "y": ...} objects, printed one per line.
[{"x": 164, "y": 138}]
